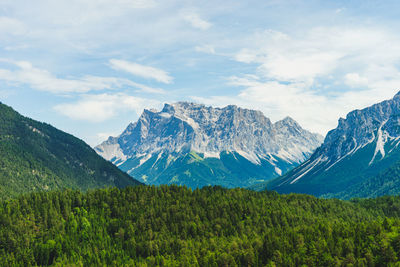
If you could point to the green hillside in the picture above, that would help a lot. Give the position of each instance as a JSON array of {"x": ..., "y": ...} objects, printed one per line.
[
  {"x": 385, "y": 183},
  {"x": 212, "y": 226},
  {"x": 35, "y": 156}
]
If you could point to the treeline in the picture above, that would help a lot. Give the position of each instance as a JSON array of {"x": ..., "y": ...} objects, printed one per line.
[
  {"x": 385, "y": 183},
  {"x": 212, "y": 226}
]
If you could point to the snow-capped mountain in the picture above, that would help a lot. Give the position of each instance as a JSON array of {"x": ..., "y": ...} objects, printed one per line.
[
  {"x": 363, "y": 145},
  {"x": 196, "y": 145}
]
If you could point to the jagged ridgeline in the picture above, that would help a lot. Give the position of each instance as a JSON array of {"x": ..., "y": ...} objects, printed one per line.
[
  {"x": 195, "y": 145},
  {"x": 360, "y": 158},
  {"x": 35, "y": 156}
]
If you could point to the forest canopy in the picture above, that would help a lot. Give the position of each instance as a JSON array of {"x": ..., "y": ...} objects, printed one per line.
[{"x": 212, "y": 226}]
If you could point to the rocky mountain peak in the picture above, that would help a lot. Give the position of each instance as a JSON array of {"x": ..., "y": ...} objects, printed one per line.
[
  {"x": 190, "y": 126},
  {"x": 361, "y": 127},
  {"x": 363, "y": 145},
  {"x": 185, "y": 127},
  {"x": 288, "y": 122}
]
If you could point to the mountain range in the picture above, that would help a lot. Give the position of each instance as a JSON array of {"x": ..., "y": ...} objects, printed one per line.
[
  {"x": 360, "y": 158},
  {"x": 195, "y": 145},
  {"x": 35, "y": 156}
]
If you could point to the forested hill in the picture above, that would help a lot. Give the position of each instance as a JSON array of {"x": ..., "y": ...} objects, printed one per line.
[
  {"x": 35, "y": 156},
  {"x": 175, "y": 226}
]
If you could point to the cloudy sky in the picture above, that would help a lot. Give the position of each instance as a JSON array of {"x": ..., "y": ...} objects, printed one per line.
[{"x": 89, "y": 67}]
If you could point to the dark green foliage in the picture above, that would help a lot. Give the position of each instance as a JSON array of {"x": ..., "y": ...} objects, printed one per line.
[
  {"x": 212, "y": 226},
  {"x": 386, "y": 183},
  {"x": 35, "y": 156}
]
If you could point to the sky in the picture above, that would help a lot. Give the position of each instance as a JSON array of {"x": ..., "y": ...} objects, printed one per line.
[{"x": 90, "y": 67}]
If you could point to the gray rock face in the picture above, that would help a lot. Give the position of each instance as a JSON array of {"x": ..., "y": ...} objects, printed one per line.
[
  {"x": 183, "y": 127},
  {"x": 379, "y": 123},
  {"x": 363, "y": 145}
]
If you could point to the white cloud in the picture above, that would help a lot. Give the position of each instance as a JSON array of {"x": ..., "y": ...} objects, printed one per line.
[
  {"x": 340, "y": 10},
  {"x": 299, "y": 66},
  {"x": 126, "y": 3},
  {"x": 246, "y": 56},
  {"x": 147, "y": 89},
  {"x": 11, "y": 26},
  {"x": 104, "y": 136},
  {"x": 315, "y": 112},
  {"x": 208, "y": 49},
  {"x": 141, "y": 70},
  {"x": 60, "y": 28},
  {"x": 102, "y": 107},
  {"x": 285, "y": 58},
  {"x": 247, "y": 80},
  {"x": 43, "y": 80},
  {"x": 355, "y": 80},
  {"x": 313, "y": 75},
  {"x": 16, "y": 47},
  {"x": 317, "y": 76},
  {"x": 318, "y": 52},
  {"x": 197, "y": 22},
  {"x": 79, "y": 13}
]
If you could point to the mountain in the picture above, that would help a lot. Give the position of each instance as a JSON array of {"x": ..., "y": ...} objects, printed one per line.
[
  {"x": 35, "y": 156},
  {"x": 195, "y": 145},
  {"x": 360, "y": 158}
]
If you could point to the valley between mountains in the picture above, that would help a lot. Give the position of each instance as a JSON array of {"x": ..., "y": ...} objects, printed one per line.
[
  {"x": 195, "y": 145},
  {"x": 61, "y": 203}
]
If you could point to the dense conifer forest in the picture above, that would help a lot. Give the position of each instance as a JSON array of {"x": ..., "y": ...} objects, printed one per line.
[
  {"x": 212, "y": 226},
  {"x": 35, "y": 156}
]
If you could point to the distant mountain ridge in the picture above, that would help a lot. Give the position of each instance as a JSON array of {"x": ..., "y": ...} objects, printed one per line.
[
  {"x": 196, "y": 145},
  {"x": 35, "y": 156},
  {"x": 353, "y": 158}
]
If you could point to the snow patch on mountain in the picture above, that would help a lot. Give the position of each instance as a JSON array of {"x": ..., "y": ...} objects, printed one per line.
[
  {"x": 211, "y": 155},
  {"x": 183, "y": 127},
  {"x": 377, "y": 125},
  {"x": 143, "y": 160},
  {"x": 380, "y": 143},
  {"x": 307, "y": 169},
  {"x": 278, "y": 171}
]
